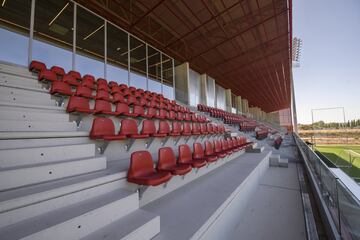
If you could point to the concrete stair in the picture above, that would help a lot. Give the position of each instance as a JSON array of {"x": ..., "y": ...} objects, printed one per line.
[{"x": 53, "y": 183}]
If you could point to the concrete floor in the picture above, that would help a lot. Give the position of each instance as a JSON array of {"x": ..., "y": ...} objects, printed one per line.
[{"x": 275, "y": 210}]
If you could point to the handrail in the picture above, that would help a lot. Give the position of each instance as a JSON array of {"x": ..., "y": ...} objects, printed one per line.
[{"x": 341, "y": 204}]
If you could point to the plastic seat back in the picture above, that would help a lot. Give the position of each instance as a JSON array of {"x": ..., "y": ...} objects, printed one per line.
[
  {"x": 139, "y": 110},
  {"x": 82, "y": 91},
  {"x": 166, "y": 158},
  {"x": 61, "y": 88},
  {"x": 224, "y": 145},
  {"x": 148, "y": 127},
  {"x": 102, "y": 105},
  {"x": 118, "y": 97},
  {"x": 176, "y": 128},
  {"x": 195, "y": 128},
  {"x": 198, "y": 151},
  {"x": 164, "y": 127},
  {"x": 102, "y": 127},
  {"x": 102, "y": 95},
  {"x": 58, "y": 70},
  {"x": 209, "y": 148},
  {"x": 217, "y": 146},
  {"x": 141, "y": 164},
  {"x": 122, "y": 108},
  {"x": 36, "y": 66},
  {"x": 128, "y": 127},
  {"x": 131, "y": 100},
  {"x": 186, "y": 128},
  {"x": 75, "y": 74},
  {"x": 163, "y": 113},
  {"x": 185, "y": 155},
  {"x": 78, "y": 103}
]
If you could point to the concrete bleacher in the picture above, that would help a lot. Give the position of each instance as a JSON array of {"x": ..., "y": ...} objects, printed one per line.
[{"x": 56, "y": 183}]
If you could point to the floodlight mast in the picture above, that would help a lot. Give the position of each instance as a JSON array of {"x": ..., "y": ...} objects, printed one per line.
[{"x": 296, "y": 51}]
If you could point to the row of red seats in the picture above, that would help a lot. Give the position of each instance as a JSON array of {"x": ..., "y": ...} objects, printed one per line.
[
  {"x": 142, "y": 171},
  {"x": 247, "y": 126},
  {"x": 229, "y": 118},
  {"x": 261, "y": 134},
  {"x": 86, "y": 84},
  {"x": 82, "y": 105},
  {"x": 104, "y": 128}
]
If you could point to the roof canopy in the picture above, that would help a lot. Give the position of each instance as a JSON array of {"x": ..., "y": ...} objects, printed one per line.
[{"x": 244, "y": 45}]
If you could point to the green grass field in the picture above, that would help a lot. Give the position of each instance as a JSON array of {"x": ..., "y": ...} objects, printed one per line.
[{"x": 346, "y": 157}]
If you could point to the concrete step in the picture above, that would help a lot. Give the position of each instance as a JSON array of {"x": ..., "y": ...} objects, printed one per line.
[
  {"x": 34, "y": 99},
  {"x": 36, "y": 126},
  {"x": 16, "y": 70},
  {"x": 138, "y": 225},
  {"x": 32, "y": 115},
  {"x": 28, "y": 156},
  {"x": 30, "y": 107},
  {"x": 42, "y": 192},
  {"x": 11, "y": 79},
  {"x": 20, "y": 90},
  {"x": 17, "y": 177},
  {"x": 36, "y": 135},
  {"x": 25, "y": 212},
  {"x": 75, "y": 221},
  {"x": 41, "y": 140}
]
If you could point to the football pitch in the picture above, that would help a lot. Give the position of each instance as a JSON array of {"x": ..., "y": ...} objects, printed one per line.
[{"x": 346, "y": 157}]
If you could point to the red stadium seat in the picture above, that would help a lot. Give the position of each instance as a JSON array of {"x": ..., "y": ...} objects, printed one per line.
[
  {"x": 113, "y": 84},
  {"x": 69, "y": 79},
  {"x": 102, "y": 95},
  {"x": 118, "y": 98},
  {"x": 203, "y": 129},
  {"x": 172, "y": 115},
  {"x": 209, "y": 152},
  {"x": 103, "y": 107},
  {"x": 180, "y": 116},
  {"x": 103, "y": 128},
  {"x": 186, "y": 129},
  {"x": 148, "y": 128},
  {"x": 101, "y": 81},
  {"x": 176, "y": 129},
  {"x": 167, "y": 162},
  {"x": 225, "y": 147},
  {"x": 102, "y": 87},
  {"x": 131, "y": 100},
  {"x": 82, "y": 91},
  {"x": 116, "y": 89},
  {"x": 139, "y": 111},
  {"x": 123, "y": 109},
  {"x": 218, "y": 149},
  {"x": 164, "y": 128},
  {"x": 195, "y": 129},
  {"x": 162, "y": 114},
  {"x": 187, "y": 117},
  {"x": 36, "y": 66},
  {"x": 199, "y": 154},
  {"x": 78, "y": 104},
  {"x": 59, "y": 71},
  {"x": 185, "y": 157},
  {"x": 60, "y": 88},
  {"x": 142, "y": 172},
  {"x": 47, "y": 76},
  {"x": 75, "y": 75},
  {"x": 151, "y": 112},
  {"x": 210, "y": 128},
  {"x": 88, "y": 81},
  {"x": 129, "y": 129}
]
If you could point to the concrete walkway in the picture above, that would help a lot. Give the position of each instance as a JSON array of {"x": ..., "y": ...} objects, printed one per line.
[{"x": 275, "y": 210}]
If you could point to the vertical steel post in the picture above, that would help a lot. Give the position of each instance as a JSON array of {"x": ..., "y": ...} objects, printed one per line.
[{"x": 31, "y": 36}]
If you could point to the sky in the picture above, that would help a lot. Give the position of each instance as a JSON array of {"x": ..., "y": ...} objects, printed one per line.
[{"x": 329, "y": 72}]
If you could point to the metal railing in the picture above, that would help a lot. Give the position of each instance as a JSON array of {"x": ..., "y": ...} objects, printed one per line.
[{"x": 341, "y": 203}]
